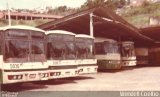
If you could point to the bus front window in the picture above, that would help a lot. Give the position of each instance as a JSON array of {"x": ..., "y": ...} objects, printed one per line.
[
  {"x": 16, "y": 51},
  {"x": 70, "y": 50},
  {"x": 110, "y": 47},
  {"x": 81, "y": 49},
  {"x": 128, "y": 50},
  {"x": 99, "y": 48},
  {"x": 56, "y": 50},
  {"x": 61, "y": 46},
  {"x": 84, "y": 48},
  {"x": 37, "y": 51}
]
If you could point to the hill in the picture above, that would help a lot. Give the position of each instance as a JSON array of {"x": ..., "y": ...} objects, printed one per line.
[{"x": 139, "y": 16}]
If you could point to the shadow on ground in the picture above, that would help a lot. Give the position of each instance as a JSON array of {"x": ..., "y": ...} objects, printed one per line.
[
  {"x": 21, "y": 87},
  {"x": 117, "y": 70},
  {"x": 55, "y": 82},
  {"x": 63, "y": 80},
  {"x": 41, "y": 84},
  {"x": 81, "y": 77}
]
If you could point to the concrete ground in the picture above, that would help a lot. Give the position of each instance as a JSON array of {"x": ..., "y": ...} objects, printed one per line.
[{"x": 139, "y": 78}]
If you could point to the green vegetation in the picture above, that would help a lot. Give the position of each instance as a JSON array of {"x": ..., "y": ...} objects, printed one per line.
[
  {"x": 23, "y": 22},
  {"x": 138, "y": 20},
  {"x": 152, "y": 9},
  {"x": 139, "y": 16},
  {"x": 113, "y": 4}
]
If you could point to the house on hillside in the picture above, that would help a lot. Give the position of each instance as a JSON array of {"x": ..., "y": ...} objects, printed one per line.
[{"x": 154, "y": 20}]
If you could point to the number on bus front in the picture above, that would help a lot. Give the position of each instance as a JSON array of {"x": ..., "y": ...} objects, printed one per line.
[{"x": 15, "y": 65}]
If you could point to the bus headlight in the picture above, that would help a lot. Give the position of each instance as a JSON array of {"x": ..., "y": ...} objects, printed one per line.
[
  {"x": 52, "y": 73},
  {"x": 19, "y": 77},
  {"x": 14, "y": 77}
]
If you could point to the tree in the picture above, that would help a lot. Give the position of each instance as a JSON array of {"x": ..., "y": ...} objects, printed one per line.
[
  {"x": 61, "y": 8},
  {"x": 123, "y": 2},
  {"x": 128, "y": 2},
  {"x": 92, "y": 3},
  {"x": 113, "y": 4},
  {"x": 57, "y": 10},
  {"x": 145, "y": 3}
]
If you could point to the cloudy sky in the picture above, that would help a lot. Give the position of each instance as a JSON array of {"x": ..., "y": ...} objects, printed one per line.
[{"x": 31, "y": 4}]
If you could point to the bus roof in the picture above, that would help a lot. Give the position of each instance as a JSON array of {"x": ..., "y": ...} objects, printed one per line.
[
  {"x": 84, "y": 36},
  {"x": 100, "y": 39},
  {"x": 1, "y": 28},
  {"x": 131, "y": 42},
  {"x": 59, "y": 32},
  {"x": 22, "y": 27}
]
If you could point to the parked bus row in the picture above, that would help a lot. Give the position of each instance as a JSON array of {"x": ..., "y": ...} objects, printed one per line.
[
  {"x": 111, "y": 54},
  {"x": 31, "y": 54}
]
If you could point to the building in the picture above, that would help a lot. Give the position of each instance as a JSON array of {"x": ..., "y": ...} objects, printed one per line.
[
  {"x": 154, "y": 20},
  {"x": 27, "y": 16}
]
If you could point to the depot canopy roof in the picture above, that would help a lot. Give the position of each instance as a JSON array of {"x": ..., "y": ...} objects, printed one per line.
[
  {"x": 106, "y": 24},
  {"x": 152, "y": 32}
]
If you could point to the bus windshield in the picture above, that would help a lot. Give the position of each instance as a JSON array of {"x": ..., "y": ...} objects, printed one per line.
[
  {"x": 16, "y": 51},
  {"x": 128, "y": 50},
  {"x": 110, "y": 47},
  {"x": 23, "y": 49},
  {"x": 106, "y": 47},
  {"x": 61, "y": 47},
  {"x": 84, "y": 48},
  {"x": 37, "y": 51}
]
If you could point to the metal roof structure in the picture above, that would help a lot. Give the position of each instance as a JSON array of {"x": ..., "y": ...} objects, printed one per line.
[
  {"x": 152, "y": 32},
  {"x": 105, "y": 22}
]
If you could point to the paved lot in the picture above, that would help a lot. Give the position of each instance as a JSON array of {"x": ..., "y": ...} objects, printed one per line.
[{"x": 141, "y": 78}]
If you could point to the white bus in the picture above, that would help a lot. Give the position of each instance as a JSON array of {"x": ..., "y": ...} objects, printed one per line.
[
  {"x": 22, "y": 54},
  {"x": 107, "y": 54},
  {"x": 85, "y": 54},
  {"x": 128, "y": 53},
  {"x": 142, "y": 56},
  {"x": 61, "y": 54}
]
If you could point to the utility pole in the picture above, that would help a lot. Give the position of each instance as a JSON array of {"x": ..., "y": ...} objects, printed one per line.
[
  {"x": 9, "y": 14},
  {"x": 91, "y": 24}
]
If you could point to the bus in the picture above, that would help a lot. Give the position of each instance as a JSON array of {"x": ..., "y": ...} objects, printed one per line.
[
  {"x": 85, "y": 54},
  {"x": 128, "y": 53},
  {"x": 61, "y": 54},
  {"x": 107, "y": 54},
  {"x": 142, "y": 56},
  {"x": 22, "y": 54}
]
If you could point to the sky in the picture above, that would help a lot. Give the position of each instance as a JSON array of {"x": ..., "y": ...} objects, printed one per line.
[{"x": 34, "y": 4}]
